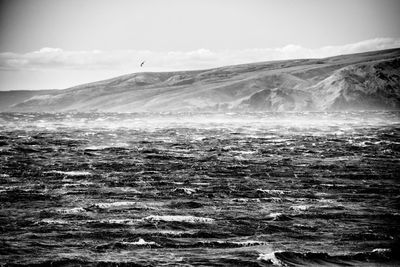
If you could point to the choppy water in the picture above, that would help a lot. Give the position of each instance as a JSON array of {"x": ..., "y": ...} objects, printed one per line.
[{"x": 285, "y": 189}]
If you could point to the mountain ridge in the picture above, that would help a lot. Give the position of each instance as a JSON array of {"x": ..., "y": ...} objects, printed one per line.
[{"x": 357, "y": 81}]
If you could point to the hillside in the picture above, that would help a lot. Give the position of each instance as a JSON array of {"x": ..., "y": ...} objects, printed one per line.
[
  {"x": 10, "y": 98},
  {"x": 358, "y": 81}
]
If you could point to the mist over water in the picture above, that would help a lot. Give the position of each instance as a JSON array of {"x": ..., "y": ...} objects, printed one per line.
[
  {"x": 253, "y": 189},
  {"x": 252, "y": 121}
]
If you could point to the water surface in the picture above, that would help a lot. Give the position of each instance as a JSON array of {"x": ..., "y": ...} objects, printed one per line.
[{"x": 259, "y": 189}]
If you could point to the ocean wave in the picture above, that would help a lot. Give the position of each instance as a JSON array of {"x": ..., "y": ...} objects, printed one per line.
[
  {"x": 75, "y": 210},
  {"x": 227, "y": 244},
  {"x": 170, "y": 233},
  {"x": 94, "y": 148},
  {"x": 125, "y": 189},
  {"x": 114, "y": 204},
  {"x": 300, "y": 208},
  {"x": 274, "y": 192},
  {"x": 178, "y": 218},
  {"x": 249, "y": 243},
  {"x": 270, "y": 258},
  {"x": 185, "y": 190},
  {"x": 126, "y": 245},
  {"x": 141, "y": 242},
  {"x": 72, "y": 173},
  {"x": 115, "y": 221},
  {"x": 102, "y": 147},
  {"x": 273, "y": 199},
  {"x": 55, "y": 221},
  {"x": 278, "y": 216},
  {"x": 376, "y": 257},
  {"x": 79, "y": 184}
]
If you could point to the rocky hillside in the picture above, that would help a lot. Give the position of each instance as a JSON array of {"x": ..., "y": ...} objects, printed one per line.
[{"x": 359, "y": 81}]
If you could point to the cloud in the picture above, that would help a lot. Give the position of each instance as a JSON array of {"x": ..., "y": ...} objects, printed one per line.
[{"x": 129, "y": 60}]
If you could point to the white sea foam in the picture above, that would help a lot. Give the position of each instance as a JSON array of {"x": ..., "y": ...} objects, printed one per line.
[
  {"x": 55, "y": 221},
  {"x": 171, "y": 232},
  {"x": 178, "y": 218},
  {"x": 201, "y": 183},
  {"x": 78, "y": 184},
  {"x": 322, "y": 194},
  {"x": 119, "y": 189},
  {"x": 299, "y": 208},
  {"x": 126, "y": 189},
  {"x": 248, "y": 243},
  {"x": 270, "y": 258},
  {"x": 245, "y": 152},
  {"x": 274, "y": 215},
  {"x": 116, "y": 221},
  {"x": 271, "y": 191},
  {"x": 95, "y": 147},
  {"x": 114, "y": 204},
  {"x": 325, "y": 200},
  {"x": 71, "y": 210},
  {"x": 71, "y": 173},
  {"x": 141, "y": 242},
  {"x": 381, "y": 250},
  {"x": 277, "y": 216}
]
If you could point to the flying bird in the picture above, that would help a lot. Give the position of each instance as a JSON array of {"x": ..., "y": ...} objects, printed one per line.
[{"x": 141, "y": 65}]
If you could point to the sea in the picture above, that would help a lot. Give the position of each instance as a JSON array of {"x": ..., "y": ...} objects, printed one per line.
[{"x": 200, "y": 189}]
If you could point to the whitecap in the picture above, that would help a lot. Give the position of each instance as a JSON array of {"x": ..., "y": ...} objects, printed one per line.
[
  {"x": 116, "y": 221},
  {"x": 271, "y": 191},
  {"x": 175, "y": 233},
  {"x": 274, "y": 215},
  {"x": 78, "y": 184},
  {"x": 245, "y": 152},
  {"x": 381, "y": 250},
  {"x": 299, "y": 208},
  {"x": 328, "y": 185},
  {"x": 141, "y": 242},
  {"x": 55, "y": 221},
  {"x": 114, "y": 204},
  {"x": 71, "y": 173},
  {"x": 96, "y": 147},
  {"x": 201, "y": 184},
  {"x": 71, "y": 210},
  {"x": 178, "y": 218},
  {"x": 325, "y": 200},
  {"x": 249, "y": 243},
  {"x": 277, "y": 216},
  {"x": 270, "y": 258},
  {"x": 101, "y": 147},
  {"x": 127, "y": 189},
  {"x": 243, "y": 200}
]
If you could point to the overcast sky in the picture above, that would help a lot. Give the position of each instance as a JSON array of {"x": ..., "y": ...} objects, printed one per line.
[{"x": 61, "y": 43}]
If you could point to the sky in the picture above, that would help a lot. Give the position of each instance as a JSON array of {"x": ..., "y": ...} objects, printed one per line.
[{"x": 55, "y": 44}]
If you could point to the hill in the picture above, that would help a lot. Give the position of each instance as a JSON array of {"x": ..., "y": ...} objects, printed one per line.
[{"x": 357, "y": 81}]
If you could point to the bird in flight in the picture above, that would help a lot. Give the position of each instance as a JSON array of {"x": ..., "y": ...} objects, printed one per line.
[{"x": 141, "y": 65}]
